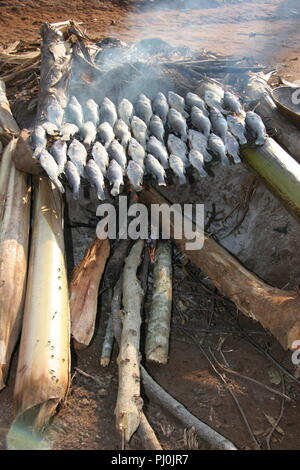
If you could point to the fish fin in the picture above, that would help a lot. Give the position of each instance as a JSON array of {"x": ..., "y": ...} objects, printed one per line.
[{"x": 260, "y": 140}]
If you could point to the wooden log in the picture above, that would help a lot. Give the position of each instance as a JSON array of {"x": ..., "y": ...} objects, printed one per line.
[
  {"x": 84, "y": 286},
  {"x": 147, "y": 435},
  {"x": 158, "y": 330},
  {"x": 129, "y": 403},
  {"x": 278, "y": 170},
  {"x": 276, "y": 309},
  {"x": 160, "y": 396},
  {"x": 42, "y": 378},
  {"x": 15, "y": 197}
]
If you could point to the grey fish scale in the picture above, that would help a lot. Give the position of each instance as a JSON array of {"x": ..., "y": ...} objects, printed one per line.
[
  {"x": 232, "y": 103},
  {"x": 200, "y": 121},
  {"x": 197, "y": 161},
  {"x": 95, "y": 177},
  {"x": 135, "y": 174},
  {"x": 74, "y": 112},
  {"x": 155, "y": 168},
  {"x": 115, "y": 177},
  {"x": 192, "y": 99},
  {"x": 156, "y": 128},
  {"x": 77, "y": 154},
  {"x": 217, "y": 146},
  {"x": 88, "y": 132},
  {"x": 50, "y": 128},
  {"x": 116, "y": 152},
  {"x": 177, "y": 102},
  {"x": 106, "y": 133},
  {"x": 219, "y": 123},
  {"x": 92, "y": 112},
  {"x": 177, "y": 124},
  {"x": 67, "y": 131},
  {"x": 158, "y": 150},
  {"x": 177, "y": 165},
  {"x": 199, "y": 142},
  {"x": 213, "y": 100},
  {"x": 176, "y": 146},
  {"x": 100, "y": 155},
  {"x": 54, "y": 112},
  {"x": 237, "y": 129},
  {"x": 139, "y": 130},
  {"x": 257, "y": 127},
  {"x": 232, "y": 147},
  {"x": 58, "y": 151},
  {"x": 143, "y": 109},
  {"x": 73, "y": 177},
  {"x": 125, "y": 111},
  {"x": 122, "y": 132},
  {"x": 136, "y": 151},
  {"x": 160, "y": 107},
  {"x": 51, "y": 168},
  {"x": 108, "y": 112}
]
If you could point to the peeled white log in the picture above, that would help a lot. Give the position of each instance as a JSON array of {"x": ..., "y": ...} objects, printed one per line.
[
  {"x": 42, "y": 378},
  {"x": 158, "y": 331},
  {"x": 129, "y": 403}
]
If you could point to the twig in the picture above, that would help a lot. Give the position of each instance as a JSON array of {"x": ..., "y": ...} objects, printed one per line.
[
  {"x": 85, "y": 374},
  {"x": 268, "y": 438},
  {"x": 109, "y": 335}
]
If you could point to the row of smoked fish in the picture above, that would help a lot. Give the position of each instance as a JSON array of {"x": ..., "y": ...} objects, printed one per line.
[{"x": 146, "y": 137}]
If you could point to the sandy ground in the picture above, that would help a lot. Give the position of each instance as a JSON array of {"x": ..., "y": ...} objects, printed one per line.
[{"x": 268, "y": 31}]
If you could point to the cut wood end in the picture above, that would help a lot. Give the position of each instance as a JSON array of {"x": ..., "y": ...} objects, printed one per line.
[{"x": 104, "y": 361}]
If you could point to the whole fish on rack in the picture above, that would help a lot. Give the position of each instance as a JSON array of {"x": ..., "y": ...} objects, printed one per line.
[
  {"x": 143, "y": 108},
  {"x": 232, "y": 147},
  {"x": 214, "y": 101},
  {"x": 122, "y": 132},
  {"x": 38, "y": 140},
  {"x": 50, "y": 128},
  {"x": 51, "y": 168},
  {"x": 178, "y": 167},
  {"x": 255, "y": 124},
  {"x": 88, "y": 132},
  {"x": 73, "y": 178},
  {"x": 177, "y": 124},
  {"x": 156, "y": 128},
  {"x": 200, "y": 121},
  {"x": 108, "y": 112},
  {"x": 78, "y": 155},
  {"x": 177, "y": 102},
  {"x": 237, "y": 129},
  {"x": 116, "y": 152},
  {"x": 58, "y": 151},
  {"x": 217, "y": 146},
  {"x": 139, "y": 130},
  {"x": 91, "y": 112},
  {"x": 199, "y": 142},
  {"x": 135, "y": 174},
  {"x": 115, "y": 177},
  {"x": 197, "y": 161},
  {"x": 232, "y": 103},
  {"x": 158, "y": 150},
  {"x": 100, "y": 155},
  {"x": 106, "y": 133},
  {"x": 136, "y": 151},
  {"x": 74, "y": 112},
  {"x": 54, "y": 112},
  {"x": 219, "y": 123},
  {"x": 160, "y": 107},
  {"x": 155, "y": 169},
  {"x": 177, "y": 147},
  {"x": 125, "y": 111},
  {"x": 67, "y": 131},
  {"x": 192, "y": 99},
  {"x": 95, "y": 177}
]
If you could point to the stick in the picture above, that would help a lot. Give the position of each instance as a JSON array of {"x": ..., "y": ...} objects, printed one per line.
[
  {"x": 147, "y": 435},
  {"x": 158, "y": 332},
  {"x": 84, "y": 286},
  {"x": 129, "y": 403},
  {"x": 109, "y": 335},
  {"x": 160, "y": 396},
  {"x": 275, "y": 309}
]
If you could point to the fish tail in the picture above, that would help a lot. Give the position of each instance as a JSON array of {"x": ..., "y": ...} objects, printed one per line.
[
  {"x": 260, "y": 140},
  {"x": 115, "y": 189},
  {"x": 182, "y": 179},
  {"x": 59, "y": 185}
]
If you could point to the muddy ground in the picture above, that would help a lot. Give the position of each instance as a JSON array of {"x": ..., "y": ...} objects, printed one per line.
[{"x": 202, "y": 319}]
